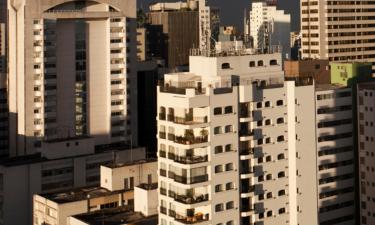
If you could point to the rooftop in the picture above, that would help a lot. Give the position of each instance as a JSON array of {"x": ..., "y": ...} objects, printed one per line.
[
  {"x": 137, "y": 162},
  {"x": 327, "y": 87},
  {"x": 79, "y": 194},
  {"x": 118, "y": 216},
  {"x": 235, "y": 52}
]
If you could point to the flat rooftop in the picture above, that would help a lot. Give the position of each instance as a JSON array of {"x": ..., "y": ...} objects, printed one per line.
[
  {"x": 367, "y": 86},
  {"x": 118, "y": 216},
  {"x": 136, "y": 162},
  {"x": 79, "y": 194},
  {"x": 327, "y": 87}
]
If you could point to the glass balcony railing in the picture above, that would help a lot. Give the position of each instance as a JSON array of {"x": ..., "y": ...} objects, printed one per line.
[{"x": 188, "y": 180}]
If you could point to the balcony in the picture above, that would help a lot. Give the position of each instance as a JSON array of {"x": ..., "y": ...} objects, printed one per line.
[
  {"x": 245, "y": 133},
  {"x": 188, "y": 120},
  {"x": 180, "y": 91},
  {"x": 246, "y": 151},
  {"x": 188, "y": 140},
  {"x": 162, "y": 154},
  {"x": 196, "y": 218},
  {"x": 163, "y": 173},
  {"x": 188, "y": 180},
  {"x": 163, "y": 191},
  {"x": 163, "y": 210},
  {"x": 188, "y": 199},
  {"x": 162, "y": 135},
  {"x": 188, "y": 159}
]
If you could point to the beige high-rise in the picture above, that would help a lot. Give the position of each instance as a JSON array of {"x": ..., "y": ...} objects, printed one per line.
[
  {"x": 338, "y": 30},
  {"x": 70, "y": 71}
]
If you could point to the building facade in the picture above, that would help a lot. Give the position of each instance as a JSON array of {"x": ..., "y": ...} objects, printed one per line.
[
  {"x": 366, "y": 135},
  {"x": 336, "y": 149},
  {"x": 269, "y": 26},
  {"x": 229, "y": 146},
  {"x": 331, "y": 31},
  {"x": 60, "y": 83}
]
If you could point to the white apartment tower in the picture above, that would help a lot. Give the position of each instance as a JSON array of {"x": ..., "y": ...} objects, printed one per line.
[
  {"x": 269, "y": 26},
  {"x": 71, "y": 71},
  {"x": 338, "y": 30},
  {"x": 335, "y": 155},
  {"x": 235, "y": 143},
  {"x": 366, "y": 136}
]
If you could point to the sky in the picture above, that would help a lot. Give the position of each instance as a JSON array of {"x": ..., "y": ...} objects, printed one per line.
[{"x": 231, "y": 11}]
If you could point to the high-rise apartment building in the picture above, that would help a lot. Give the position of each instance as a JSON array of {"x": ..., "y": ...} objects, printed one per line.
[
  {"x": 269, "y": 26},
  {"x": 61, "y": 84},
  {"x": 209, "y": 26},
  {"x": 335, "y": 154},
  {"x": 337, "y": 30},
  {"x": 175, "y": 31},
  {"x": 235, "y": 143},
  {"x": 366, "y": 136}
]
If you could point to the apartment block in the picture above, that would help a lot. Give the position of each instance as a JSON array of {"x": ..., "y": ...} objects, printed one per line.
[
  {"x": 269, "y": 26},
  {"x": 209, "y": 25},
  {"x": 230, "y": 138},
  {"x": 337, "y": 31},
  {"x": 60, "y": 83},
  {"x": 177, "y": 30},
  {"x": 336, "y": 149},
  {"x": 22, "y": 177},
  {"x": 118, "y": 189},
  {"x": 366, "y": 135}
]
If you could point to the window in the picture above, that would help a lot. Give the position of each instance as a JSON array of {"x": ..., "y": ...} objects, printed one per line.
[
  {"x": 218, "y": 111},
  {"x": 280, "y": 120},
  {"x": 280, "y": 156},
  {"x": 281, "y": 210},
  {"x": 218, "y": 169},
  {"x": 229, "y": 167},
  {"x": 218, "y": 149},
  {"x": 267, "y": 104},
  {"x": 219, "y": 207},
  {"x": 259, "y": 105},
  {"x": 229, "y": 186},
  {"x": 273, "y": 62},
  {"x": 228, "y": 147},
  {"x": 218, "y": 188},
  {"x": 261, "y": 197},
  {"x": 268, "y": 122},
  {"x": 217, "y": 130},
  {"x": 280, "y": 138},
  {"x": 269, "y": 177},
  {"x": 281, "y": 192},
  {"x": 229, "y": 205},
  {"x": 261, "y": 178},
  {"x": 281, "y": 174},
  {"x": 225, "y": 66},
  {"x": 260, "y": 63},
  {"x": 228, "y": 109},
  {"x": 269, "y": 195},
  {"x": 252, "y": 64},
  {"x": 269, "y": 158},
  {"x": 230, "y": 222},
  {"x": 228, "y": 129},
  {"x": 279, "y": 103}
]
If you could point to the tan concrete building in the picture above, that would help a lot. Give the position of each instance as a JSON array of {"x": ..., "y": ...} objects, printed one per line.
[
  {"x": 366, "y": 136},
  {"x": 61, "y": 84},
  {"x": 337, "y": 31},
  {"x": 118, "y": 189},
  {"x": 335, "y": 154},
  {"x": 318, "y": 69},
  {"x": 142, "y": 45},
  {"x": 230, "y": 147}
]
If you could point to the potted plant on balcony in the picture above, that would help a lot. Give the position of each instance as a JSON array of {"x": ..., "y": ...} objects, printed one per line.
[
  {"x": 204, "y": 134},
  {"x": 189, "y": 136}
]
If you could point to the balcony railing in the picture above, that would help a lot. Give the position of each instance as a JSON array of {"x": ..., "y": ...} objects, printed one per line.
[
  {"x": 246, "y": 151},
  {"x": 197, "y": 218},
  {"x": 163, "y": 173},
  {"x": 247, "y": 189},
  {"x": 190, "y": 120},
  {"x": 188, "y": 199},
  {"x": 188, "y": 180},
  {"x": 162, "y": 135},
  {"x": 188, "y": 159},
  {"x": 179, "y": 90},
  {"x": 162, "y": 153},
  {"x": 163, "y": 210},
  {"x": 163, "y": 191},
  {"x": 193, "y": 140}
]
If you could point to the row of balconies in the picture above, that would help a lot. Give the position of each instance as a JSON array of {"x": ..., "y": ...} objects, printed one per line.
[{"x": 185, "y": 140}]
